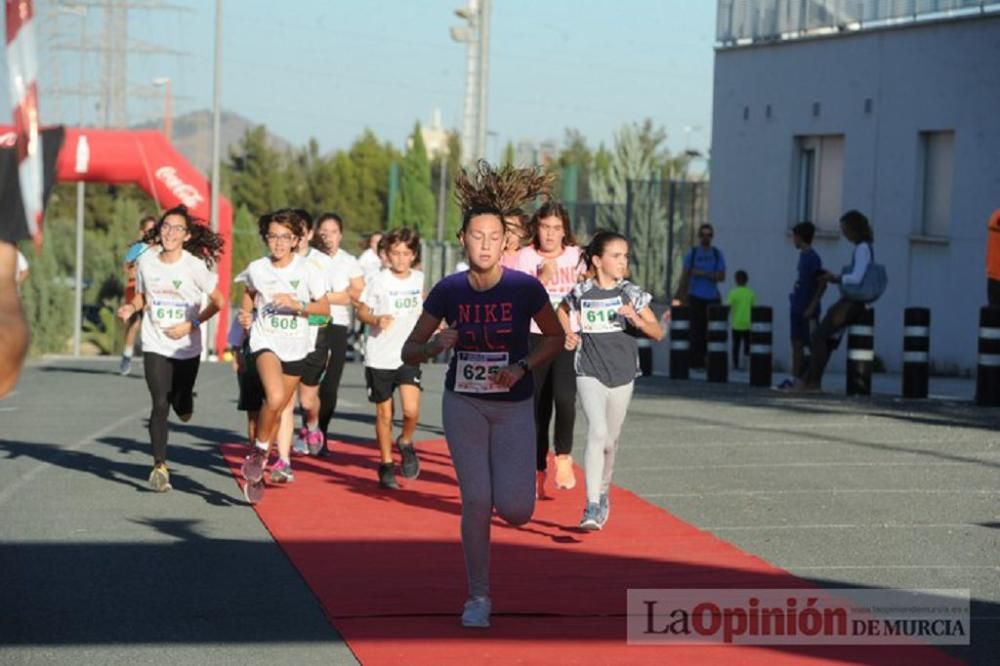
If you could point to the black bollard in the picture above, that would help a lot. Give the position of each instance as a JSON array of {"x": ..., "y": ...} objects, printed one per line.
[
  {"x": 645, "y": 346},
  {"x": 680, "y": 341},
  {"x": 760, "y": 345},
  {"x": 916, "y": 352},
  {"x": 988, "y": 369},
  {"x": 861, "y": 354},
  {"x": 717, "y": 345}
]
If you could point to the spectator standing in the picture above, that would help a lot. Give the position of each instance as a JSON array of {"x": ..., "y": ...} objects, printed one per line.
[{"x": 704, "y": 269}]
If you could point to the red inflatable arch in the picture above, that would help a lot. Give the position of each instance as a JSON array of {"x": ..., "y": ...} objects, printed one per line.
[{"x": 147, "y": 159}]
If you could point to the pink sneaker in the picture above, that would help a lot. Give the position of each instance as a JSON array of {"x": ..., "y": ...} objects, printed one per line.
[
  {"x": 281, "y": 472},
  {"x": 316, "y": 442}
]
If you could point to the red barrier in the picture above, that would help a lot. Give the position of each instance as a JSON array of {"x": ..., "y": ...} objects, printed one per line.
[{"x": 145, "y": 158}]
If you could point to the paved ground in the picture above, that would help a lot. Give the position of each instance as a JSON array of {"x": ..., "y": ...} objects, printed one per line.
[{"x": 96, "y": 569}]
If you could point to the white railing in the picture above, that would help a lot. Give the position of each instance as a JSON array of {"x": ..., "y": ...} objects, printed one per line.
[{"x": 741, "y": 22}]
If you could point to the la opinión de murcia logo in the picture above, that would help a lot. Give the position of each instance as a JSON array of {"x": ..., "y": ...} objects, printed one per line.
[
  {"x": 188, "y": 194},
  {"x": 860, "y": 616}
]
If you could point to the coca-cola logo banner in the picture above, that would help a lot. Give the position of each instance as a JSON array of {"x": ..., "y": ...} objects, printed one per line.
[{"x": 187, "y": 193}]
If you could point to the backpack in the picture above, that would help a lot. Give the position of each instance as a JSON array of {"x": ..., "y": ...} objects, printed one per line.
[{"x": 872, "y": 285}]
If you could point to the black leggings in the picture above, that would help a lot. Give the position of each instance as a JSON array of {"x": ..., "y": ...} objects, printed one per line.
[
  {"x": 741, "y": 340},
  {"x": 171, "y": 383},
  {"x": 555, "y": 383},
  {"x": 337, "y": 344}
]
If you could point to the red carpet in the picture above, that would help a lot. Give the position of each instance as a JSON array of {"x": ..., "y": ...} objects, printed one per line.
[{"x": 387, "y": 568}]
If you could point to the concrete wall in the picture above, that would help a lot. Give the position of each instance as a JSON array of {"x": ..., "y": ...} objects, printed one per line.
[{"x": 930, "y": 77}]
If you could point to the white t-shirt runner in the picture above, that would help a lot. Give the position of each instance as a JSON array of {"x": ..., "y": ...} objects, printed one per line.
[
  {"x": 281, "y": 330},
  {"x": 403, "y": 299},
  {"x": 345, "y": 269},
  {"x": 173, "y": 294}
]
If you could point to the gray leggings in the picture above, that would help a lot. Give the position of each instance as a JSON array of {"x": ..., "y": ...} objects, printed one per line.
[
  {"x": 492, "y": 445},
  {"x": 605, "y": 410}
]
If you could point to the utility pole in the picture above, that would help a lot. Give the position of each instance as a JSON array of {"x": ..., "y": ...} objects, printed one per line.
[
  {"x": 475, "y": 34},
  {"x": 484, "y": 75},
  {"x": 113, "y": 50}
]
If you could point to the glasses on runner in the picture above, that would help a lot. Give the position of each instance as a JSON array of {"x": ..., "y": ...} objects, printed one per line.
[
  {"x": 173, "y": 229},
  {"x": 280, "y": 238}
]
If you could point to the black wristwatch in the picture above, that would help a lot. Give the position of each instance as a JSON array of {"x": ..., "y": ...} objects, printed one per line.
[{"x": 523, "y": 364}]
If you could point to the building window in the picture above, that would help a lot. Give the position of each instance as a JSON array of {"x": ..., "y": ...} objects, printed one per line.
[
  {"x": 937, "y": 150},
  {"x": 820, "y": 180}
]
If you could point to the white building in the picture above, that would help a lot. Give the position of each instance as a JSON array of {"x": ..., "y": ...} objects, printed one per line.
[{"x": 892, "y": 108}]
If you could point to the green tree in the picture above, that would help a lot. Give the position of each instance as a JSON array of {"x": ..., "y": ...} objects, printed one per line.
[
  {"x": 259, "y": 177},
  {"x": 453, "y": 218},
  {"x": 508, "y": 155},
  {"x": 247, "y": 244},
  {"x": 416, "y": 199},
  {"x": 47, "y": 300},
  {"x": 631, "y": 185}
]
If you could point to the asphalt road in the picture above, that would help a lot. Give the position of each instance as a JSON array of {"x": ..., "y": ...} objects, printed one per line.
[{"x": 95, "y": 568}]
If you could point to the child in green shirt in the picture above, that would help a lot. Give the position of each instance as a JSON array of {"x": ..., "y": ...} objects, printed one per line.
[{"x": 740, "y": 300}]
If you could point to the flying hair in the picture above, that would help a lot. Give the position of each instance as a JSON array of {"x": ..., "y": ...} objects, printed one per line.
[{"x": 503, "y": 191}]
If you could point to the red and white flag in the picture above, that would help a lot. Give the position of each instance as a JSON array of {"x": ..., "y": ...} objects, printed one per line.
[{"x": 22, "y": 75}]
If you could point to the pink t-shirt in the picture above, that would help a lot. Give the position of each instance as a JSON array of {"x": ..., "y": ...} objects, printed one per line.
[
  {"x": 568, "y": 272},
  {"x": 509, "y": 260}
]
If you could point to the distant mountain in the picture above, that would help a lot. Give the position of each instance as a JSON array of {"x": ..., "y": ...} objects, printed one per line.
[{"x": 192, "y": 136}]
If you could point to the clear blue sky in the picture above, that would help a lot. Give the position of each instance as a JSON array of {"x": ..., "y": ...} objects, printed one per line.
[{"x": 327, "y": 69}]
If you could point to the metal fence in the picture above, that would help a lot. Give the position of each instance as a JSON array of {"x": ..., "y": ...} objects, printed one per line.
[
  {"x": 741, "y": 22},
  {"x": 659, "y": 218}
]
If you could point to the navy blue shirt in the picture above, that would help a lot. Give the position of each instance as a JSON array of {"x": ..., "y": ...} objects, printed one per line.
[
  {"x": 807, "y": 282},
  {"x": 493, "y": 326}
]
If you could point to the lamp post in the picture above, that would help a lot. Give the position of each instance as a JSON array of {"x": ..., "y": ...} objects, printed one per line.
[
  {"x": 79, "y": 11},
  {"x": 167, "y": 112}
]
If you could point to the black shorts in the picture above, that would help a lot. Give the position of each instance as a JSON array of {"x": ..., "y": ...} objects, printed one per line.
[
  {"x": 251, "y": 390},
  {"x": 290, "y": 368},
  {"x": 314, "y": 364},
  {"x": 381, "y": 383}
]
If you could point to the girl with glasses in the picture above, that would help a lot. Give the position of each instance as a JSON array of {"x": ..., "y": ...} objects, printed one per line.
[{"x": 282, "y": 290}]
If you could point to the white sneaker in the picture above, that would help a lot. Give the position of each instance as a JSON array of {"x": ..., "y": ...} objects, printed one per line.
[{"x": 477, "y": 613}]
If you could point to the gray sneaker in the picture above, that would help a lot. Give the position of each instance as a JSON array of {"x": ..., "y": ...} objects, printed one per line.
[
  {"x": 300, "y": 445},
  {"x": 477, "y": 613},
  {"x": 591, "y": 517},
  {"x": 125, "y": 367},
  {"x": 605, "y": 508}
]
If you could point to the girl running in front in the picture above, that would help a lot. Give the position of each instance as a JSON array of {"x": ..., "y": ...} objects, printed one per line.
[
  {"x": 169, "y": 288},
  {"x": 554, "y": 257},
  {"x": 487, "y": 409},
  {"x": 611, "y": 312},
  {"x": 282, "y": 290},
  {"x": 390, "y": 306}
]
